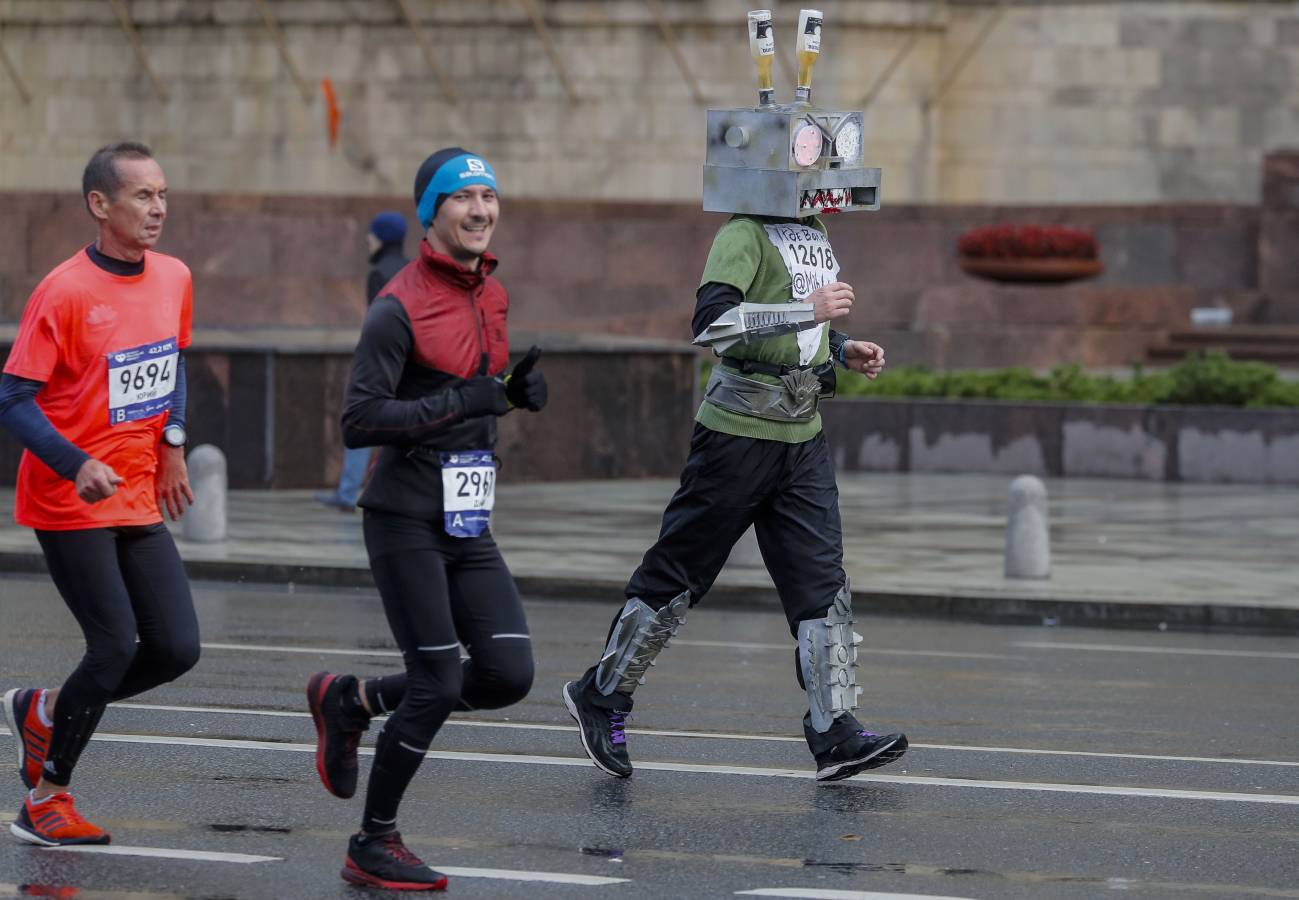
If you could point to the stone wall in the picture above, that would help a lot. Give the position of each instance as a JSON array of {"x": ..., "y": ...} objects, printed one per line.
[
  {"x": 632, "y": 269},
  {"x": 1085, "y": 102},
  {"x": 618, "y": 409},
  {"x": 1074, "y": 440}
]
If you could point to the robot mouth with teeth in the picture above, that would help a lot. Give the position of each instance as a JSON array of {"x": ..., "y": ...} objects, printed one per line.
[
  {"x": 787, "y": 160},
  {"x": 825, "y": 200}
]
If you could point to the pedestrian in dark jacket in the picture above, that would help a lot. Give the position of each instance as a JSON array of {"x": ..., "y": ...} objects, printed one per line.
[
  {"x": 386, "y": 238},
  {"x": 387, "y": 255}
]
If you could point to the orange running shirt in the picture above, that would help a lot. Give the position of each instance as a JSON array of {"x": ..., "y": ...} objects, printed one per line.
[{"x": 106, "y": 347}]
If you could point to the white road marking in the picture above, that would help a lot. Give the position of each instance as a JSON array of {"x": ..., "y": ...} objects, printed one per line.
[
  {"x": 1097, "y": 753},
  {"x": 1168, "y": 651},
  {"x": 222, "y": 710},
  {"x": 743, "y": 771},
  {"x": 867, "y": 651},
  {"x": 722, "y": 736},
  {"x": 734, "y": 645},
  {"x": 162, "y": 853},
  {"x": 829, "y": 894},
  {"x": 513, "y": 875},
  {"x": 270, "y": 648}
]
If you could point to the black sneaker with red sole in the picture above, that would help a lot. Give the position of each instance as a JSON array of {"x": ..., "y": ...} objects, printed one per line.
[
  {"x": 337, "y": 735},
  {"x": 383, "y": 861}
]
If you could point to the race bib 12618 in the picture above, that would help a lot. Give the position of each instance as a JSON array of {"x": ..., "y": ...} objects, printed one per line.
[
  {"x": 811, "y": 264},
  {"x": 141, "y": 380},
  {"x": 468, "y": 491}
]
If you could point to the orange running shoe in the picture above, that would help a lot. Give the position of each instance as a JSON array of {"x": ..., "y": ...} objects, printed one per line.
[
  {"x": 55, "y": 821},
  {"x": 33, "y": 735}
]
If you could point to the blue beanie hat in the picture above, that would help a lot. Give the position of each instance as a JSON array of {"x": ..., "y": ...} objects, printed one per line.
[
  {"x": 444, "y": 173},
  {"x": 389, "y": 227}
]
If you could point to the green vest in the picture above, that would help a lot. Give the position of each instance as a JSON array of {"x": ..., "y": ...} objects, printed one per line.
[{"x": 745, "y": 258}]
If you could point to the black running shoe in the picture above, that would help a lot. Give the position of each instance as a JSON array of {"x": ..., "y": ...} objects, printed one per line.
[
  {"x": 603, "y": 731},
  {"x": 337, "y": 736},
  {"x": 860, "y": 752},
  {"x": 383, "y": 861}
]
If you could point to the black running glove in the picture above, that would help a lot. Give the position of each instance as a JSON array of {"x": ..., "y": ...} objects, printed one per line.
[
  {"x": 523, "y": 386},
  {"x": 483, "y": 395}
]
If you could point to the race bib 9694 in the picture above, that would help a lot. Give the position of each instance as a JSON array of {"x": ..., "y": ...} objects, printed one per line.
[{"x": 141, "y": 380}]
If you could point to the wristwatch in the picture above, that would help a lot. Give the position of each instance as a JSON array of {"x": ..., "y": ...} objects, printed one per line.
[{"x": 173, "y": 436}]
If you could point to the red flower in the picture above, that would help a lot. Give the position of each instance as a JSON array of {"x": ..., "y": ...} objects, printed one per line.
[{"x": 1028, "y": 242}]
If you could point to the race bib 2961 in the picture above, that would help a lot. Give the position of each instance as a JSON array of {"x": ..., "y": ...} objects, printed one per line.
[{"x": 468, "y": 491}]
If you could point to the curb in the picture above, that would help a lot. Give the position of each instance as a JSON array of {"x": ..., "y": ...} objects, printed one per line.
[{"x": 952, "y": 606}]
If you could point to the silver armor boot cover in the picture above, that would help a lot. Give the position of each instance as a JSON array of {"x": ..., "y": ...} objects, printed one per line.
[
  {"x": 639, "y": 636},
  {"x": 827, "y": 657}
]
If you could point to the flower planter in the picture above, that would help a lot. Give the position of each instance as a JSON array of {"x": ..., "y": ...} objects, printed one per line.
[{"x": 1030, "y": 270}]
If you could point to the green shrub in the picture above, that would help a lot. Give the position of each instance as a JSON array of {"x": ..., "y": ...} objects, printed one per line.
[{"x": 1203, "y": 379}]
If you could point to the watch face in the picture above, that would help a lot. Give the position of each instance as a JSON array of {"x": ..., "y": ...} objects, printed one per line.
[
  {"x": 847, "y": 143},
  {"x": 174, "y": 435},
  {"x": 807, "y": 145}
]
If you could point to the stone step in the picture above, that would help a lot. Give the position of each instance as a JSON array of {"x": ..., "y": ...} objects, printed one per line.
[
  {"x": 1275, "y": 335},
  {"x": 1278, "y": 355},
  {"x": 1263, "y": 343}
]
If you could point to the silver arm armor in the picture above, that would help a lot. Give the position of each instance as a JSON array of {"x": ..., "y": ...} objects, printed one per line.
[
  {"x": 753, "y": 321},
  {"x": 640, "y": 635},
  {"x": 827, "y": 658}
]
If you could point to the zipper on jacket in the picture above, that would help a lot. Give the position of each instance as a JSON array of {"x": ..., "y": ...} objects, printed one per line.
[{"x": 483, "y": 356}]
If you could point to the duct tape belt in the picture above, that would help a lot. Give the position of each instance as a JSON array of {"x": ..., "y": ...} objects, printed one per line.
[{"x": 794, "y": 399}]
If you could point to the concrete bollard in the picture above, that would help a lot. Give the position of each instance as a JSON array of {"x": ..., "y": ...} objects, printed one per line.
[
  {"x": 205, "y": 521},
  {"x": 1028, "y": 538}
]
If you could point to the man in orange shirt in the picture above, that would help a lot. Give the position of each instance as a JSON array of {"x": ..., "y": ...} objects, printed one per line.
[{"x": 94, "y": 388}]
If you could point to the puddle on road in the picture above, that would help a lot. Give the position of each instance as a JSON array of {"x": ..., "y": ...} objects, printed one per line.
[
  {"x": 254, "y": 779},
  {"x": 259, "y": 829},
  {"x": 611, "y": 853},
  {"x": 71, "y": 892}
]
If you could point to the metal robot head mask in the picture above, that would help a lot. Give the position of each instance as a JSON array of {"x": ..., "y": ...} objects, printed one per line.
[{"x": 791, "y": 160}]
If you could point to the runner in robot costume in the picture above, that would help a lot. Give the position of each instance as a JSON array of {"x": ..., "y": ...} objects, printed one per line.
[{"x": 757, "y": 455}]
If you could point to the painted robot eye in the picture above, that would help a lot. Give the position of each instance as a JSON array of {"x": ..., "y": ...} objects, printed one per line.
[
  {"x": 847, "y": 143},
  {"x": 807, "y": 145}
]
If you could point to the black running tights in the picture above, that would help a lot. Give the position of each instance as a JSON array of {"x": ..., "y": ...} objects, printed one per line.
[
  {"x": 118, "y": 583},
  {"x": 439, "y": 592}
]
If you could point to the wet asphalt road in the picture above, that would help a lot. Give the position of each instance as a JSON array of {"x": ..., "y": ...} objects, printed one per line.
[{"x": 1179, "y": 775}]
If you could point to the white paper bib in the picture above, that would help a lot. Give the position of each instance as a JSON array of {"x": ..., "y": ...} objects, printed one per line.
[
  {"x": 141, "y": 381},
  {"x": 811, "y": 264},
  {"x": 468, "y": 491}
]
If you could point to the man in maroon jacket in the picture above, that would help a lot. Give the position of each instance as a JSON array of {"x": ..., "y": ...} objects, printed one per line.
[{"x": 428, "y": 383}]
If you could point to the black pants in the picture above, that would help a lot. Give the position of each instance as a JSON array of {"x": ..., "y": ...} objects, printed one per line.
[
  {"x": 118, "y": 583},
  {"x": 439, "y": 592},
  {"x": 787, "y": 492}
]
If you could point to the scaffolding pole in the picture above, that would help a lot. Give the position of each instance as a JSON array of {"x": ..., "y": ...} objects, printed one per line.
[
  {"x": 9, "y": 67},
  {"x": 124, "y": 17},
  {"x": 944, "y": 83},
  {"x": 670, "y": 38},
  {"x": 426, "y": 47},
  {"x": 277, "y": 35},
  {"x": 543, "y": 32}
]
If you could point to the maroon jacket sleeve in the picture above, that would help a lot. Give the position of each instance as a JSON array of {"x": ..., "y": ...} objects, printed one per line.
[{"x": 372, "y": 414}]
